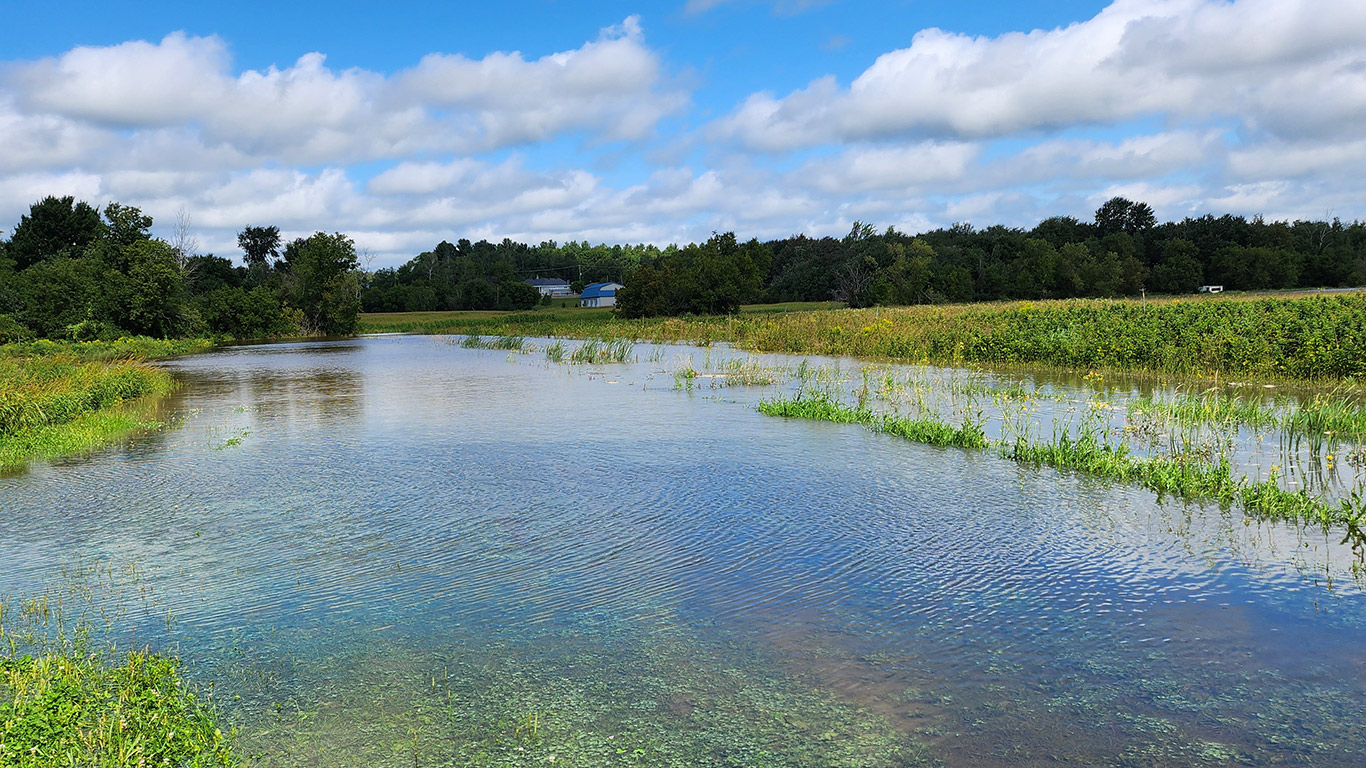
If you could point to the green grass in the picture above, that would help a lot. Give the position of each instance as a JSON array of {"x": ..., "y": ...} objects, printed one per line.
[
  {"x": 63, "y": 703},
  {"x": 1307, "y": 338},
  {"x": 599, "y": 351},
  {"x": 822, "y": 407},
  {"x": 60, "y": 398},
  {"x": 1185, "y": 476},
  {"x": 1329, "y": 417}
]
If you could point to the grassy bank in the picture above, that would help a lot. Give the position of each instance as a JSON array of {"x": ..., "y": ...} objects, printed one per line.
[
  {"x": 58, "y": 399},
  {"x": 1307, "y": 338},
  {"x": 64, "y": 703}
]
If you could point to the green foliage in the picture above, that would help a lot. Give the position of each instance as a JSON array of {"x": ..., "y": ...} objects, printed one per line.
[
  {"x": 713, "y": 278},
  {"x": 152, "y": 301},
  {"x": 260, "y": 244},
  {"x": 54, "y": 227},
  {"x": 127, "y": 225},
  {"x": 11, "y": 330},
  {"x": 243, "y": 314},
  {"x": 66, "y": 706},
  {"x": 323, "y": 283}
]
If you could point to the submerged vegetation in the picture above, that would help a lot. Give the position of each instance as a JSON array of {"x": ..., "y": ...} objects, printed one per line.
[{"x": 1188, "y": 469}]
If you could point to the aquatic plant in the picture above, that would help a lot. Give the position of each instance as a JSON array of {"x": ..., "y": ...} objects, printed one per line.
[
  {"x": 599, "y": 351},
  {"x": 1188, "y": 474},
  {"x": 822, "y": 407}
]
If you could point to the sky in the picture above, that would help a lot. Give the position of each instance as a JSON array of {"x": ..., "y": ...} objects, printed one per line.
[{"x": 403, "y": 124}]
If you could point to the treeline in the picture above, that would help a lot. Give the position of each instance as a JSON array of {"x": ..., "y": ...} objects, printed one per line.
[
  {"x": 486, "y": 275},
  {"x": 1122, "y": 251},
  {"x": 72, "y": 271}
]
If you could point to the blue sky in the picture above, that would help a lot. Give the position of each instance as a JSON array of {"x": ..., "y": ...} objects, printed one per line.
[{"x": 661, "y": 122}]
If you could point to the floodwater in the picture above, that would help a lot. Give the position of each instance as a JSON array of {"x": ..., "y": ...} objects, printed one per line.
[{"x": 398, "y": 551}]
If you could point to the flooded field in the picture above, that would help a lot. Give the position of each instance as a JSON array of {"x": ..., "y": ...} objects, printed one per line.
[{"x": 434, "y": 551}]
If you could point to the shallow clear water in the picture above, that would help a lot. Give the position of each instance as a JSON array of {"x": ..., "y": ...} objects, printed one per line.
[{"x": 395, "y": 550}]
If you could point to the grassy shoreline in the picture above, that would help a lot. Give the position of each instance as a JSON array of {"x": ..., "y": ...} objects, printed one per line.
[
  {"x": 1315, "y": 338},
  {"x": 64, "y": 398},
  {"x": 65, "y": 701}
]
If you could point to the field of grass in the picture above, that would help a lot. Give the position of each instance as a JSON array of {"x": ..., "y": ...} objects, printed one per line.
[
  {"x": 1319, "y": 338},
  {"x": 61, "y": 398}
]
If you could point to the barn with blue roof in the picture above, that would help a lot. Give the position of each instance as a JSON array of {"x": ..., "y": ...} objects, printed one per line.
[{"x": 599, "y": 294}]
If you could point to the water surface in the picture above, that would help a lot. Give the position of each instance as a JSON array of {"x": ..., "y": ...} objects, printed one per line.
[{"x": 395, "y": 550}]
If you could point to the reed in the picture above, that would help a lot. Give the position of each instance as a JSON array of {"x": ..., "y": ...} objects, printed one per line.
[{"x": 1191, "y": 475}]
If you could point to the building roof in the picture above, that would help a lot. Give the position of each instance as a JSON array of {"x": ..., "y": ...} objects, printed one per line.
[
  {"x": 547, "y": 282},
  {"x": 594, "y": 290}
]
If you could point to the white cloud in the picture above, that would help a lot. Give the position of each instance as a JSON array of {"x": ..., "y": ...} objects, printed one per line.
[
  {"x": 1262, "y": 61},
  {"x": 609, "y": 89},
  {"x": 1194, "y": 106}
]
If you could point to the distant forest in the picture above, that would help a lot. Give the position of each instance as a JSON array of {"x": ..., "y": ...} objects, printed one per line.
[
  {"x": 69, "y": 270},
  {"x": 1122, "y": 251}
]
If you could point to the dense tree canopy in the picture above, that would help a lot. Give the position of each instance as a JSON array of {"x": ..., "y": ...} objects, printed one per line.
[{"x": 72, "y": 271}]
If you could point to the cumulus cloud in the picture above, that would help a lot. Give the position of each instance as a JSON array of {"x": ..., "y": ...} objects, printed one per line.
[
  {"x": 1280, "y": 66},
  {"x": 611, "y": 88}
]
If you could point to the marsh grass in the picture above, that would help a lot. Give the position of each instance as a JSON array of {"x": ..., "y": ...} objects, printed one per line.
[
  {"x": 1210, "y": 407},
  {"x": 1334, "y": 415},
  {"x": 1193, "y": 473},
  {"x": 61, "y": 399},
  {"x": 731, "y": 372},
  {"x": 600, "y": 351},
  {"x": 823, "y": 407}
]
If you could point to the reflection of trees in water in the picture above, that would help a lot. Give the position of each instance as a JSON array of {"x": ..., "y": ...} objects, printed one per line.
[{"x": 331, "y": 395}]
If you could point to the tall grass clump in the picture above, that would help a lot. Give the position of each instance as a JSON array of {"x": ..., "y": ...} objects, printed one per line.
[
  {"x": 598, "y": 351},
  {"x": 1211, "y": 407},
  {"x": 1327, "y": 415},
  {"x": 822, "y": 407}
]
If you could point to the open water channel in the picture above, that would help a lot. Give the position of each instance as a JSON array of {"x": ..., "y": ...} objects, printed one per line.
[{"x": 395, "y": 550}]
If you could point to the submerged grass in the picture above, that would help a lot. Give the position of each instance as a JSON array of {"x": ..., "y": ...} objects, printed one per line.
[
  {"x": 599, "y": 351},
  {"x": 1187, "y": 476},
  {"x": 822, "y": 407}
]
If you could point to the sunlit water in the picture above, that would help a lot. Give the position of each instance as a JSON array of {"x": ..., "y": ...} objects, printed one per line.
[{"x": 395, "y": 550}]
